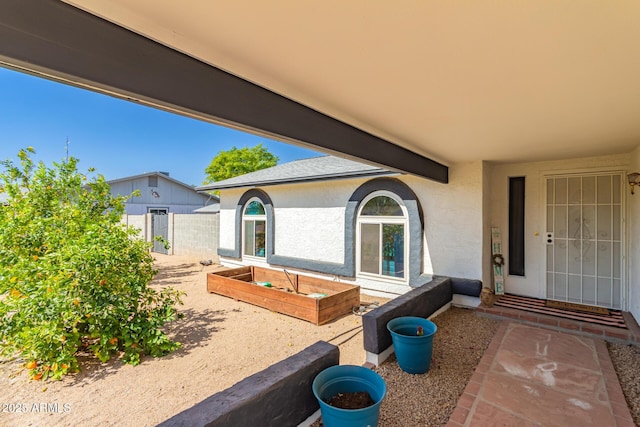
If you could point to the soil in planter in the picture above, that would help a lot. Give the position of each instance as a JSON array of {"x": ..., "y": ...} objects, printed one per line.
[{"x": 354, "y": 400}]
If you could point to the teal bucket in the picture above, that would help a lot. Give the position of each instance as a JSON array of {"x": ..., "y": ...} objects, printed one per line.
[
  {"x": 349, "y": 379},
  {"x": 413, "y": 352}
]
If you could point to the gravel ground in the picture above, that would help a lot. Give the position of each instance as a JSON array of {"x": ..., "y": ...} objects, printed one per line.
[
  {"x": 429, "y": 399},
  {"x": 626, "y": 361}
]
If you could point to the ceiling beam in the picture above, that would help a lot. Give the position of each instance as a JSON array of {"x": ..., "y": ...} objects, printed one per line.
[{"x": 61, "y": 42}]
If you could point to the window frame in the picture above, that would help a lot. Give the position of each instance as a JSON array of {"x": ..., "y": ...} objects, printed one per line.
[
  {"x": 253, "y": 218},
  {"x": 381, "y": 220},
  {"x": 158, "y": 210}
]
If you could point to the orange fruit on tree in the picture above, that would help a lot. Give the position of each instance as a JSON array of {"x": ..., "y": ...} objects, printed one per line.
[{"x": 32, "y": 364}]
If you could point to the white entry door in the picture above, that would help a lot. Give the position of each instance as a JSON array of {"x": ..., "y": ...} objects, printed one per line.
[{"x": 584, "y": 239}]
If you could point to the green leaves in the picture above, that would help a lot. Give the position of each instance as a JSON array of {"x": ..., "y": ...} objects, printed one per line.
[
  {"x": 72, "y": 277},
  {"x": 238, "y": 161}
]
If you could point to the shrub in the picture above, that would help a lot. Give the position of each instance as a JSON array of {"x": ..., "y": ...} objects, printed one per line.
[{"x": 73, "y": 278}]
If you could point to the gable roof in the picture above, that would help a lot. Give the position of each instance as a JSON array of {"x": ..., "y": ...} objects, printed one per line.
[
  {"x": 163, "y": 175},
  {"x": 306, "y": 170}
]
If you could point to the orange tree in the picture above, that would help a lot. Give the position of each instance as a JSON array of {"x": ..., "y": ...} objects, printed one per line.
[{"x": 72, "y": 277}]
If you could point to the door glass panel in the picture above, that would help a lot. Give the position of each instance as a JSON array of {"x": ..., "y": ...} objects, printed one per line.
[
  {"x": 588, "y": 290},
  {"x": 604, "y": 222},
  {"x": 575, "y": 190},
  {"x": 616, "y": 222},
  {"x": 589, "y": 257},
  {"x": 560, "y": 222},
  {"x": 604, "y": 259},
  {"x": 575, "y": 222},
  {"x": 588, "y": 222},
  {"x": 560, "y": 256},
  {"x": 617, "y": 274},
  {"x": 589, "y": 190},
  {"x": 604, "y": 292},
  {"x": 370, "y": 248},
  {"x": 561, "y": 191},
  {"x": 603, "y": 189},
  {"x": 550, "y": 191},
  {"x": 561, "y": 286},
  {"x": 575, "y": 288},
  {"x": 575, "y": 257},
  {"x": 616, "y": 189}
]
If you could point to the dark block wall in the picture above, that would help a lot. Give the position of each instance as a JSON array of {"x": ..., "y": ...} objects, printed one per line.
[
  {"x": 278, "y": 396},
  {"x": 468, "y": 287},
  {"x": 419, "y": 302}
]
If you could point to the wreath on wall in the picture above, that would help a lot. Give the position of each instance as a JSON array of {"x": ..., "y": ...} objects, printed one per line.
[{"x": 498, "y": 260}]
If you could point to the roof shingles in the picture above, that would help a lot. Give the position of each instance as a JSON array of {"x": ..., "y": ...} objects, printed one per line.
[{"x": 305, "y": 170}]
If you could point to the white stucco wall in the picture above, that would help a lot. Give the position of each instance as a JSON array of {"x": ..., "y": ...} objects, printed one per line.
[
  {"x": 310, "y": 219},
  {"x": 453, "y": 216},
  {"x": 309, "y": 222},
  {"x": 533, "y": 283},
  {"x": 228, "y": 205}
]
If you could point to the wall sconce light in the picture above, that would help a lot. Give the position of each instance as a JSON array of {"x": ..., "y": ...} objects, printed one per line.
[{"x": 634, "y": 179}]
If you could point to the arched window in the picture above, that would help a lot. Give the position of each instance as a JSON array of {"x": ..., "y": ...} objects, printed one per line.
[
  {"x": 254, "y": 226},
  {"x": 382, "y": 230}
]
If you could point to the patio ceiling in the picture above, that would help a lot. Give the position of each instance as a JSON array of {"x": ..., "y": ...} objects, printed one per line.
[{"x": 453, "y": 81}]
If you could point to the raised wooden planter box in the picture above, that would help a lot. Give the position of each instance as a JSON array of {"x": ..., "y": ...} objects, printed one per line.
[{"x": 240, "y": 284}]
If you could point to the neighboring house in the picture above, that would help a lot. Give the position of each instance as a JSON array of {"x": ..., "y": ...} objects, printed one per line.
[
  {"x": 389, "y": 232},
  {"x": 159, "y": 194}
]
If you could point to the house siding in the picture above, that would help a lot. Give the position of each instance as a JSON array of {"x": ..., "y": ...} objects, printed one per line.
[{"x": 171, "y": 195}]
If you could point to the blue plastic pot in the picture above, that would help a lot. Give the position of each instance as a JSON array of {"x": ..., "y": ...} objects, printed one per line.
[
  {"x": 412, "y": 351},
  {"x": 349, "y": 379}
]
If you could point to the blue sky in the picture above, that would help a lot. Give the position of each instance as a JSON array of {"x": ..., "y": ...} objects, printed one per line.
[{"x": 118, "y": 138}]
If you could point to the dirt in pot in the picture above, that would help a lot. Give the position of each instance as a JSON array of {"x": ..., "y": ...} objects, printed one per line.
[{"x": 354, "y": 400}]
